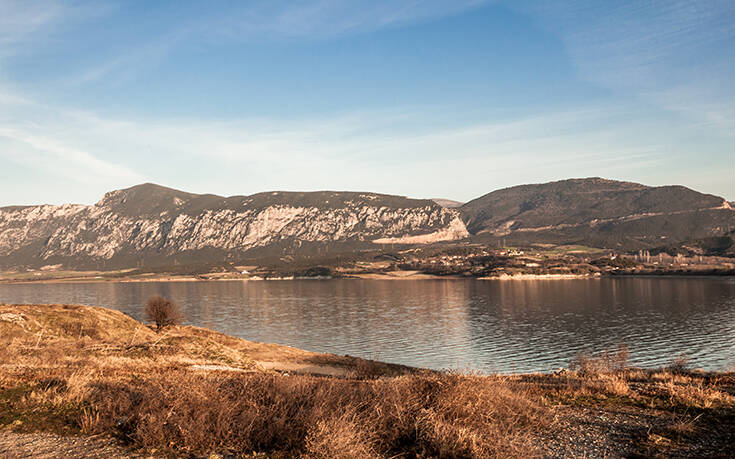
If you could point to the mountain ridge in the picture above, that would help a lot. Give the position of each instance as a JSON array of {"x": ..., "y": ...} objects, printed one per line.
[
  {"x": 599, "y": 211},
  {"x": 154, "y": 224},
  {"x": 151, "y": 223}
]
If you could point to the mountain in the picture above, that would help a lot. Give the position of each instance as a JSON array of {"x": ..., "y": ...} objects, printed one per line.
[
  {"x": 599, "y": 213},
  {"x": 154, "y": 225}
]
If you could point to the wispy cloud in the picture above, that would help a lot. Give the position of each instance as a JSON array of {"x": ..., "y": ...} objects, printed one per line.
[
  {"x": 386, "y": 151},
  {"x": 328, "y": 18},
  {"x": 677, "y": 54},
  {"x": 23, "y": 23},
  {"x": 257, "y": 21},
  {"x": 29, "y": 147},
  {"x": 20, "y": 19},
  {"x": 415, "y": 151},
  {"x": 128, "y": 65}
]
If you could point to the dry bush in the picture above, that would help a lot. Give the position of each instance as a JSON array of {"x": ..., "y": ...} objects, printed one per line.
[
  {"x": 696, "y": 394},
  {"x": 163, "y": 312},
  {"x": 678, "y": 364},
  {"x": 607, "y": 362},
  {"x": 474, "y": 416}
]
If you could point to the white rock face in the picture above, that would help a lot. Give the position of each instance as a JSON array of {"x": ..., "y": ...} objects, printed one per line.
[
  {"x": 455, "y": 230},
  {"x": 101, "y": 232}
]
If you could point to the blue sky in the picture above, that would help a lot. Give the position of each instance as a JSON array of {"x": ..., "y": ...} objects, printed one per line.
[{"x": 427, "y": 98}]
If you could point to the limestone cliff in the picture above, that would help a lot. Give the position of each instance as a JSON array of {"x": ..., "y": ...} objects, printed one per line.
[{"x": 152, "y": 223}]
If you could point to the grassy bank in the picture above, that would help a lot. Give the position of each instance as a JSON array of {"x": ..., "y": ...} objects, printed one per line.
[{"x": 75, "y": 370}]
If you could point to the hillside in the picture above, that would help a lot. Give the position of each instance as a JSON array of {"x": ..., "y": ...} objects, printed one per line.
[
  {"x": 153, "y": 225},
  {"x": 90, "y": 382},
  {"x": 599, "y": 213}
]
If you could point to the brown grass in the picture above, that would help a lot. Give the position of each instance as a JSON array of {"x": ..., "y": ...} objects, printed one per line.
[
  {"x": 72, "y": 369},
  {"x": 426, "y": 414},
  {"x": 92, "y": 370}
]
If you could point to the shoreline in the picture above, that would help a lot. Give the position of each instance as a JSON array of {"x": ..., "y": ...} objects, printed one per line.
[
  {"x": 520, "y": 277},
  {"x": 365, "y": 276},
  {"x": 82, "y": 373}
]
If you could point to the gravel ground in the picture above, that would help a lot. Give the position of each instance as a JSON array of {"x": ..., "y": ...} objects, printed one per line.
[
  {"x": 631, "y": 432},
  {"x": 45, "y": 446},
  {"x": 589, "y": 432}
]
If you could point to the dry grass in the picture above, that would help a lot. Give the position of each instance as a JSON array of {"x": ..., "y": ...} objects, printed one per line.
[
  {"x": 73, "y": 369},
  {"x": 426, "y": 414},
  {"x": 92, "y": 370}
]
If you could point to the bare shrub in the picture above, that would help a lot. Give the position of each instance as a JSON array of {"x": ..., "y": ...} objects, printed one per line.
[
  {"x": 163, "y": 312},
  {"x": 610, "y": 361},
  {"x": 678, "y": 364}
]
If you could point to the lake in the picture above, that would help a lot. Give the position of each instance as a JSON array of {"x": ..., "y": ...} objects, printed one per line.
[{"x": 503, "y": 326}]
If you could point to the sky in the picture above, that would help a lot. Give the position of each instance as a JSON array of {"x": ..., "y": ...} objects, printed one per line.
[{"x": 431, "y": 99}]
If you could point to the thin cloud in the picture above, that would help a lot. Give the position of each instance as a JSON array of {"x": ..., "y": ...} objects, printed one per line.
[
  {"x": 126, "y": 67},
  {"x": 21, "y": 19},
  {"x": 328, "y": 18},
  {"x": 382, "y": 150},
  {"x": 267, "y": 21},
  {"x": 662, "y": 51},
  {"x": 22, "y": 23},
  {"x": 61, "y": 160}
]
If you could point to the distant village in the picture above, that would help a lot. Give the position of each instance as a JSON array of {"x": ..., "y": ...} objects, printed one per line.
[
  {"x": 482, "y": 261},
  {"x": 475, "y": 261}
]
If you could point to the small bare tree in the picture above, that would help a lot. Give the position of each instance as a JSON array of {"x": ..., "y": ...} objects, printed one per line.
[{"x": 163, "y": 312}]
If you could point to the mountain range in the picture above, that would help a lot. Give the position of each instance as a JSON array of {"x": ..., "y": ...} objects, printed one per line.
[{"x": 151, "y": 225}]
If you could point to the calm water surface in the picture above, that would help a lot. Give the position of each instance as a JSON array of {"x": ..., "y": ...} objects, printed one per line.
[{"x": 506, "y": 326}]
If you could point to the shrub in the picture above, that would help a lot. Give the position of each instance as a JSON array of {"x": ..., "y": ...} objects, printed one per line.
[
  {"x": 163, "y": 312},
  {"x": 607, "y": 362},
  {"x": 678, "y": 364}
]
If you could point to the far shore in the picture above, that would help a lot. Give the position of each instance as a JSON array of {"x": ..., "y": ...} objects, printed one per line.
[
  {"x": 390, "y": 275},
  {"x": 541, "y": 276}
]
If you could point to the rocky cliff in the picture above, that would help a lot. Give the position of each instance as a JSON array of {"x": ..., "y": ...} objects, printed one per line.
[{"x": 149, "y": 224}]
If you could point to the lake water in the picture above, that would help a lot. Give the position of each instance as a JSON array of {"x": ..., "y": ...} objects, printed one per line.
[{"x": 505, "y": 326}]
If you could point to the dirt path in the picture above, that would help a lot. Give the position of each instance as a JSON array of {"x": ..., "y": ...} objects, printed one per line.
[{"x": 46, "y": 446}]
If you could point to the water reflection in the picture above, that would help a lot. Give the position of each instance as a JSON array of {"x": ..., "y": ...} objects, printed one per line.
[{"x": 485, "y": 325}]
